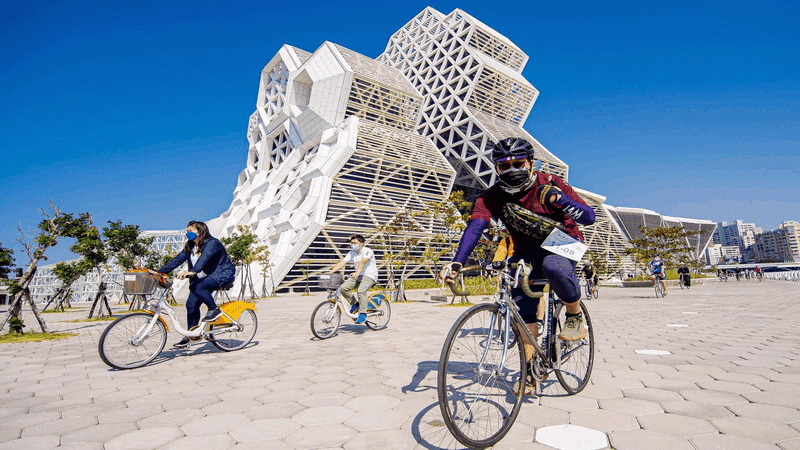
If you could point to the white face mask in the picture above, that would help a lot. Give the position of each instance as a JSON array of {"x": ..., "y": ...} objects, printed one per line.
[{"x": 355, "y": 247}]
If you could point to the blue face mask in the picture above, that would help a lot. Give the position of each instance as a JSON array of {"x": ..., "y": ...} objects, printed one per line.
[{"x": 191, "y": 235}]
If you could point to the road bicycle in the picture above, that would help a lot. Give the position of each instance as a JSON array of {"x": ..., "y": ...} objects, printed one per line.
[
  {"x": 327, "y": 315},
  {"x": 482, "y": 367},
  {"x": 658, "y": 286},
  {"x": 723, "y": 276},
  {"x": 136, "y": 339},
  {"x": 591, "y": 289}
]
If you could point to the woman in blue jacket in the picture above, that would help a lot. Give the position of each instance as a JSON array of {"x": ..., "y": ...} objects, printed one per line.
[{"x": 209, "y": 270}]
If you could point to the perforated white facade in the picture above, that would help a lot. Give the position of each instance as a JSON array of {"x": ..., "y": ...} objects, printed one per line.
[{"x": 340, "y": 143}]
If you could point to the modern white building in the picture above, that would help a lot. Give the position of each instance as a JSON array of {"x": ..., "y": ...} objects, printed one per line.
[
  {"x": 341, "y": 143},
  {"x": 45, "y": 284}
]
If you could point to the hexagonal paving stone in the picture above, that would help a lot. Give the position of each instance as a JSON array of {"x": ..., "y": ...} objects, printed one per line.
[
  {"x": 144, "y": 439},
  {"x": 264, "y": 430},
  {"x": 323, "y": 415},
  {"x": 571, "y": 437},
  {"x": 376, "y": 420},
  {"x": 763, "y": 430},
  {"x": 173, "y": 418},
  {"x": 730, "y": 442},
  {"x": 647, "y": 439},
  {"x": 372, "y": 403},
  {"x": 676, "y": 425},
  {"x": 320, "y": 436},
  {"x": 219, "y": 423}
]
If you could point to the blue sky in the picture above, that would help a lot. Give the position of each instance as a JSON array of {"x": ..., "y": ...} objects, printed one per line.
[{"x": 138, "y": 110}]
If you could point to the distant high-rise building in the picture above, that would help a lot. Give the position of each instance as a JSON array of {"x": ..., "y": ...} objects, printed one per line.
[
  {"x": 740, "y": 234},
  {"x": 781, "y": 245}
]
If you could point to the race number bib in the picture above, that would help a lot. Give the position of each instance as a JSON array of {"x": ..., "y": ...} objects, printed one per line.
[{"x": 565, "y": 245}]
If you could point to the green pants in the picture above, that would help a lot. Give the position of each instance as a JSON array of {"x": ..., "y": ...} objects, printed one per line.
[{"x": 362, "y": 285}]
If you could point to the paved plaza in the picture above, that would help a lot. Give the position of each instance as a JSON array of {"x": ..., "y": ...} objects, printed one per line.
[{"x": 714, "y": 367}]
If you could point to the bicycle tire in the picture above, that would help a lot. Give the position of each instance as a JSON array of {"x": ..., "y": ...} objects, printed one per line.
[
  {"x": 246, "y": 326},
  {"x": 325, "y": 320},
  {"x": 577, "y": 357},
  {"x": 596, "y": 291},
  {"x": 588, "y": 290},
  {"x": 478, "y": 404},
  {"x": 116, "y": 348},
  {"x": 658, "y": 288},
  {"x": 378, "y": 318}
]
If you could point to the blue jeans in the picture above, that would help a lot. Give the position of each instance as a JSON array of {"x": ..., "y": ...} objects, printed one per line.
[
  {"x": 559, "y": 271},
  {"x": 200, "y": 292}
]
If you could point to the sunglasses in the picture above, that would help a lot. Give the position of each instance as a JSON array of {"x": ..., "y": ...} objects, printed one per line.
[{"x": 517, "y": 164}]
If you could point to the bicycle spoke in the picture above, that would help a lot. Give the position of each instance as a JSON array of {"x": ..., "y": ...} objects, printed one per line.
[{"x": 476, "y": 384}]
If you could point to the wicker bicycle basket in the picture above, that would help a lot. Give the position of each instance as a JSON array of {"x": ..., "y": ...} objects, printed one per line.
[{"x": 142, "y": 283}]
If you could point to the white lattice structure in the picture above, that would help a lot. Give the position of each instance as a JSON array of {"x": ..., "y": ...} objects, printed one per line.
[
  {"x": 45, "y": 284},
  {"x": 332, "y": 153},
  {"x": 332, "y": 130},
  {"x": 473, "y": 91}
]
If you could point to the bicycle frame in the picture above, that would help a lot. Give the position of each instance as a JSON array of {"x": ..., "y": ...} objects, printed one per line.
[
  {"x": 162, "y": 308},
  {"x": 337, "y": 297},
  {"x": 510, "y": 312}
]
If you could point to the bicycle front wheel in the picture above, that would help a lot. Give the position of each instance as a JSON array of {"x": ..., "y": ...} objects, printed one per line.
[
  {"x": 325, "y": 320},
  {"x": 233, "y": 336},
  {"x": 588, "y": 292},
  {"x": 378, "y": 315},
  {"x": 576, "y": 357},
  {"x": 475, "y": 383},
  {"x": 123, "y": 344},
  {"x": 596, "y": 291}
]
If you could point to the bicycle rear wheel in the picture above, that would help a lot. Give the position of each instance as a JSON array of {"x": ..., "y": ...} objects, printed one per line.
[
  {"x": 379, "y": 312},
  {"x": 123, "y": 345},
  {"x": 576, "y": 357},
  {"x": 325, "y": 319},
  {"x": 233, "y": 336},
  {"x": 475, "y": 384}
]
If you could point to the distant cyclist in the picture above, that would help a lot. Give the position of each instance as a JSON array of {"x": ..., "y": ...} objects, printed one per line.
[
  {"x": 758, "y": 273},
  {"x": 685, "y": 275},
  {"x": 590, "y": 275},
  {"x": 658, "y": 272}
]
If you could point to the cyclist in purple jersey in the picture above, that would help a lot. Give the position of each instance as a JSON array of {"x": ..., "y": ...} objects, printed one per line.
[{"x": 537, "y": 193}]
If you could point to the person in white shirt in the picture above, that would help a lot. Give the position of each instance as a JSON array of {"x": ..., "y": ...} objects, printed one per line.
[{"x": 364, "y": 276}]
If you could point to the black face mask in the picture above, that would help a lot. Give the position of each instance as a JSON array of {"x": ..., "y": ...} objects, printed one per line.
[{"x": 515, "y": 177}]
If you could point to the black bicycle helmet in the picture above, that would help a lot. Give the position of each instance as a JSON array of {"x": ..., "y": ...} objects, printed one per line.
[{"x": 510, "y": 148}]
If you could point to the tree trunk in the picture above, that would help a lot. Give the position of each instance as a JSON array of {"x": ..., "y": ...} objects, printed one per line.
[
  {"x": 101, "y": 295},
  {"x": 35, "y": 310}
]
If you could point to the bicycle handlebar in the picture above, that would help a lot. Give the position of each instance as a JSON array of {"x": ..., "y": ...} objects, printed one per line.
[{"x": 521, "y": 268}]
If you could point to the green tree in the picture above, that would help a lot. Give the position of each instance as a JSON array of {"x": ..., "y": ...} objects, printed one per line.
[
  {"x": 447, "y": 220},
  {"x": 129, "y": 249},
  {"x": 49, "y": 231},
  {"x": 6, "y": 261},
  {"x": 266, "y": 271},
  {"x": 399, "y": 238},
  {"x": 598, "y": 260},
  {"x": 244, "y": 248},
  {"x": 89, "y": 245},
  {"x": 669, "y": 243}
]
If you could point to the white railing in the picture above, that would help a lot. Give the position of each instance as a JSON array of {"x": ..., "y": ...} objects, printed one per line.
[{"x": 790, "y": 275}]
